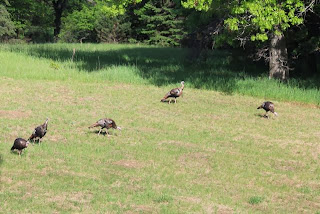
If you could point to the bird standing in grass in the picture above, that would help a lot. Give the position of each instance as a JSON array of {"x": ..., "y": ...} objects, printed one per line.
[
  {"x": 19, "y": 144},
  {"x": 176, "y": 92},
  {"x": 105, "y": 123},
  {"x": 39, "y": 132},
  {"x": 268, "y": 106}
]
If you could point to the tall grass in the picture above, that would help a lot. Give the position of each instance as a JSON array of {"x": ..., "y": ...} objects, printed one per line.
[{"x": 218, "y": 70}]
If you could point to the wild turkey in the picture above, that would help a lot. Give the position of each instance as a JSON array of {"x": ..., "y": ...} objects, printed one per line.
[
  {"x": 39, "y": 132},
  {"x": 268, "y": 106},
  {"x": 19, "y": 144},
  {"x": 105, "y": 123},
  {"x": 176, "y": 92}
]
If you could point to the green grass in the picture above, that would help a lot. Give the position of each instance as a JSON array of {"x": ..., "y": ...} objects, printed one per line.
[
  {"x": 255, "y": 200},
  {"x": 219, "y": 70},
  {"x": 211, "y": 152}
]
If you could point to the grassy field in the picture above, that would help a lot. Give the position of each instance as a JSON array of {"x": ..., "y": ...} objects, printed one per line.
[
  {"x": 212, "y": 152},
  {"x": 148, "y": 65}
]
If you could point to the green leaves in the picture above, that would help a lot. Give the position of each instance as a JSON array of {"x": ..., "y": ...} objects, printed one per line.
[
  {"x": 259, "y": 36},
  {"x": 254, "y": 17},
  {"x": 233, "y": 24},
  {"x": 257, "y": 17},
  {"x": 201, "y": 5},
  {"x": 114, "y": 7}
]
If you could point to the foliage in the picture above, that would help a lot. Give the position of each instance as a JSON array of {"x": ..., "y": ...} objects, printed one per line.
[
  {"x": 113, "y": 28},
  {"x": 6, "y": 2},
  {"x": 159, "y": 23},
  {"x": 33, "y": 20},
  {"x": 258, "y": 18},
  {"x": 78, "y": 26},
  {"x": 254, "y": 17},
  {"x": 115, "y": 8},
  {"x": 7, "y": 28}
]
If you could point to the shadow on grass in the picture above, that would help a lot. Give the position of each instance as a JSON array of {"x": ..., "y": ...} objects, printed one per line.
[
  {"x": 218, "y": 70},
  {"x": 103, "y": 132}
]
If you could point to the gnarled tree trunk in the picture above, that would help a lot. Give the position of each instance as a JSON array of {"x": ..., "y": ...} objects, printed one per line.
[{"x": 278, "y": 54}]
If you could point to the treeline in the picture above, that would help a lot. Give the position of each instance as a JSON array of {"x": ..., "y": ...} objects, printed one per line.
[
  {"x": 151, "y": 22},
  {"x": 286, "y": 34}
]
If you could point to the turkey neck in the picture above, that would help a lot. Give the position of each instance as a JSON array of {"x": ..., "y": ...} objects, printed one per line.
[
  {"x": 45, "y": 124},
  {"x": 182, "y": 87}
]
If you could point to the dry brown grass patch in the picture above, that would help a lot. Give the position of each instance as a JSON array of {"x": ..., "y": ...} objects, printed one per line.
[
  {"x": 222, "y": 209},
  {"x": 179, "y": 144},
  {"x": 142, "y": 209},
  {"x": 190, "y": 199},
  {"x": 129, "y": 164},
  {"x": 68, "y": 200},
  {"x": 14, "y": 114}
]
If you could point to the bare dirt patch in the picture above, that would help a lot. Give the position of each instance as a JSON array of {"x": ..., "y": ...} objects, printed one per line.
[
  {"x": 70, "y": 200},
  {"x": 143, "y": 209},
  {"x": 179, "y": 144},
  {"x": 190, "y": 199},
  {"x": 129, "y": 164},
  {"x": 14, "y": 114},
  {"x": 194, "y": 159},
  {"x": 288, "y": 165},
  {"x": 222, "y": 209}
]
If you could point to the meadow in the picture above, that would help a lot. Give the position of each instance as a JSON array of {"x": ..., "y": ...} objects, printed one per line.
[{"x": 212, "y": 152}]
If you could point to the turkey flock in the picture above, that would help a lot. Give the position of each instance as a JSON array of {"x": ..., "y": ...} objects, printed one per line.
[{"x": 106, "y": 123}]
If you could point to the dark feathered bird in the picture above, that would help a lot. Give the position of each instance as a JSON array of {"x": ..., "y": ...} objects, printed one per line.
[
  {"x": 268, "y": 106},
  {"x": 39, "y": 132},
  {"x": 19, "y": 144},
  {"x": 176, "y": 92},
  {"x": 105, "y": 123}
]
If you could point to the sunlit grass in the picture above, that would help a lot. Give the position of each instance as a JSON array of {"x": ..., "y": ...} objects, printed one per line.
[
  {"x": 211, "y": 152},
  {"x": 221, "y": 71}
]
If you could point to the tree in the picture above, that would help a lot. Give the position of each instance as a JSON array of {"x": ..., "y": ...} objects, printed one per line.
[
  {"x": 79, "y": 26},
  {"x": 268, "y": 21},
  {"x": 113, "y": 28},
  {"x": 58, "y": 6},
  {"x": 304, "y": 44},
  {"x": 32, "y": 19},
  {"x": 5, "y": 2},
  {"x": 260, "y": 21},
  {"x": 159, "y": 23},
  {"x": 7, "y": 28}
]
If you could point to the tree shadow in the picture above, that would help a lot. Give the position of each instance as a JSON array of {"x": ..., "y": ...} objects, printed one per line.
[{"x": 218, "y": 70}]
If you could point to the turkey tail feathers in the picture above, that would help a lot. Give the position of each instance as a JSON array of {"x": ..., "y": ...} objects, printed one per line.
[
  {"x": 93, "y": 125},
  {"x": 31, "y": 137},
  {"x": 165, "y": 97}
]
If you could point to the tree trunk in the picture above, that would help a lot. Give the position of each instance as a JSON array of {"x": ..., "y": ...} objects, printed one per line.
[
  {"x": 59, "y": 6},
  {"x": 278, "y": 54}
]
